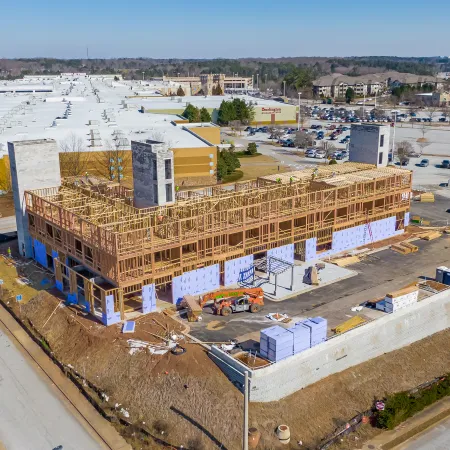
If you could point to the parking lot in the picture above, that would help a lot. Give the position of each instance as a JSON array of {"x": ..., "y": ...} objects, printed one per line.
[{"x": 435, "y": 148}]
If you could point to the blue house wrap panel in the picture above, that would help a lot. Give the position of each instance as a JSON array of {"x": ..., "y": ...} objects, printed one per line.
[
  {"x": 148, "y": 298},
  {"x": 40, "y": 253},
  {"x": 83, "y": 303},
  {"x": 236, "y": 270},
  {"x": 110, "y": 317},
  {"x": 406, "y": 220},
  {"x": 196, "y": 282},
  {"x": 59, "y": 285},
  {"x": 72, "y": 299},
  {"x": 285, "y": 253},
  {"x": 354, "y": 237}
]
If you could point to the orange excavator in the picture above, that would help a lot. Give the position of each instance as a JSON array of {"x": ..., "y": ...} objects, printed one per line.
[{"x": 227, "y": 301}]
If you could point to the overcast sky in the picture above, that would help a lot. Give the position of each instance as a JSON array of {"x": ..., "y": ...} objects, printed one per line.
[{"x": 225, "y": 29}]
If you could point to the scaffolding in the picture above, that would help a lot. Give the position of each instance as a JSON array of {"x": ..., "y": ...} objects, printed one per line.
[{"x": 97, "y": 225}]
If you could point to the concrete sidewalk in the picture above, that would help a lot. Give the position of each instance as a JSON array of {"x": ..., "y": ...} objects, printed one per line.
[
  {"x": 397, "y": 439},
  {"x": 98, "y": 427}
]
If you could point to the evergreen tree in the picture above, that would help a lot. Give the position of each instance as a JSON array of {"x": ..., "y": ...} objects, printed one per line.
[
  {"x": 251, "y": 148},
  {"x": 192, "y": 113},
  {"x": 205, "y": 116},
  {"x": 180, "y": 92}
]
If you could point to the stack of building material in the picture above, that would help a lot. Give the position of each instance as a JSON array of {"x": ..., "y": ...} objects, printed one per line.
[
  {"x": 431, "y": 235},
  {"x": 427, "y": 197},
  {"x": 276, "y": 343},
  {"x": 405, "y": 248},
  {"x": 349, "y": 324},
  {"x": 318, "y": 327},
  {"x": 302, "y": 337},
  {"x": 401, "y": 299}
]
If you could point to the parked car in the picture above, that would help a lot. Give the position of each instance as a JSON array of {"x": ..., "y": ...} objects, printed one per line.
[
  {"x": 442, "y": 119},
  {"x": 424, "y": 163},
  {"x": 404, "y": 162},
  {"x": 445, "y": 164},
  {"x": 320, "y": 154},
  {"x": 310, "y": 153}
]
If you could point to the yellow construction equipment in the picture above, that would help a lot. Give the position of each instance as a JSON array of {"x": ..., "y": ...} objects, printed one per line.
[{"x": 427, "y": 197}]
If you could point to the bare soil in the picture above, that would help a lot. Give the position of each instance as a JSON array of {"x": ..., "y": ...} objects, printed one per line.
[{"x": 186, "y": 400}]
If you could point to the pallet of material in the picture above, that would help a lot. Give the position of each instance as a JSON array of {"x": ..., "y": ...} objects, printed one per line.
[
  {"x": 410, "y": 246},
  {"x": 404, "y": 291},
  {"x": 401, "y": 249},
  {"x": 194, "y": 311},
  {"x": 349, "y": 324},
  {"x": 430, "y": 235},
  {"x": 346, "y": 261},
  {"x": 427, "y": 197}
]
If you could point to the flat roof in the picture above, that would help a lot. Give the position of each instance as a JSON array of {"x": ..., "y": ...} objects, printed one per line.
[
  {"x": 48, "y": 115},
  {"x": 201, "y": 101}
]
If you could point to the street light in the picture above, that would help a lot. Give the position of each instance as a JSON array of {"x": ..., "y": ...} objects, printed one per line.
[
  {"x": 257, "y": 81},
  {"x": 143, "y": 76},
  {"x": 284, "y": 83},
  {"x": 298, "y": 125}
]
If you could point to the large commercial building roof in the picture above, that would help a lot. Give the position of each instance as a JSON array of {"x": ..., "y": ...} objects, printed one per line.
[{"x": 81, "y": 105}]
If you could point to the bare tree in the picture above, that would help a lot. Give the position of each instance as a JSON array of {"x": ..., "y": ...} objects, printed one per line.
[
  {"x": 328, "y": 147},
  {"x": 236, "y": 125},
  {"x": 431, "y": 112},
  {"x": 404, "y": 150},
  {"x": 278, "y": 133},
  {"x": 114, "y": 163},
  {"x": 74, "y": 160},
  {"x": 303, "y": 140}
]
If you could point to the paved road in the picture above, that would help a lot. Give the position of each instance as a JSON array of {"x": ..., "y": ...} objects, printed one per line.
[
  {"x": 32, "y": 416},
  {"x": 436, "y": 438},
  {"x": 8, "y": 224}
]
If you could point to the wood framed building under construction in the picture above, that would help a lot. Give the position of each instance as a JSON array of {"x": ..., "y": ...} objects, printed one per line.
[{"x": 118, "y": 250}]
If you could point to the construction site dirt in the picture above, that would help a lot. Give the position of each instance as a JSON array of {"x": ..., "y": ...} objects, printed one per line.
[{"x": 182, "y": 399}]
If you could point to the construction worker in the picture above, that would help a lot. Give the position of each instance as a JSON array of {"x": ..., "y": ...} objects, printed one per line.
[{"x": 9, "y": 252}]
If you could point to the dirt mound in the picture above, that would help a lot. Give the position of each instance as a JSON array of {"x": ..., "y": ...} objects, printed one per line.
[{"x": 184, "y": 394}]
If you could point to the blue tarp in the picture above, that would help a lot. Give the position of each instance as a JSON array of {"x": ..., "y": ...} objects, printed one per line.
[{"x": 40, "y": 253}]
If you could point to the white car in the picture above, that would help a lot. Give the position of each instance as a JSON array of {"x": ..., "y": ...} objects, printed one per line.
[{"x": 320, "y": 155}]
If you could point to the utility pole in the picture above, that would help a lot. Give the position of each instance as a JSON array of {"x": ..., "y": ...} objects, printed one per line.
[
  {"x": 143, "y": 76},
  {"x": 257, "y": 81},
  {"x": 364, "y": 106},
  {"x": 393, "y": 136},
  {"x": 299, "y": 112},
  {"x": 284, "y": 84},
  {"x": 245, "y": 432}
]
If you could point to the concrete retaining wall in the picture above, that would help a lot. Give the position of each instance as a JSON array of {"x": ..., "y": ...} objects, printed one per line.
[{"x": 386, "y": 334}]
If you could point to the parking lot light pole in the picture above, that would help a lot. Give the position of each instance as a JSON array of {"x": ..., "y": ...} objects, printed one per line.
[
  {"x": 298, "y": 125},
  {"x": 284, "y": 83}
]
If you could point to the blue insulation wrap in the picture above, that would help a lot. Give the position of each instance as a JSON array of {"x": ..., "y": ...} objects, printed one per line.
[
  {"x": 109, "y": 317},
  {"x": 148, "y": 298},
  {"x": 285, "y": 253},
  {"x": 238, "y": 270},
  {"x": 354, "y": 237},
  {"x": 83, "y": 303},
  {"x": 72, "y": 299},
  {"x": 40, "y": 253},
  {"x": 406, "y": 220},
  {"x": 196, "y": 282},
  {"x": 59, "y": 285}
]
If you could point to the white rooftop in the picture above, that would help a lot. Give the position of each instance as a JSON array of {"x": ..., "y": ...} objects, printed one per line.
[
  {"x": 209, "y": 102},
  {"x": 80, "y": 105}
]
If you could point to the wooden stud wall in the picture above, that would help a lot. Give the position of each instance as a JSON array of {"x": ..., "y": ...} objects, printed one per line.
[{"x": 130, "y": 247}]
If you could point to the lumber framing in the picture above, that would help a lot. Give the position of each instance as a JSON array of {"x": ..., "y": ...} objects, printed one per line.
[{"x": 130, "y": 247}]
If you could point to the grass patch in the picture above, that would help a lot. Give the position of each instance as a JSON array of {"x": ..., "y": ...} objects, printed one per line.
[
  {"x": 246, "y": 155},
  {"x": 233, "y": 177}
]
